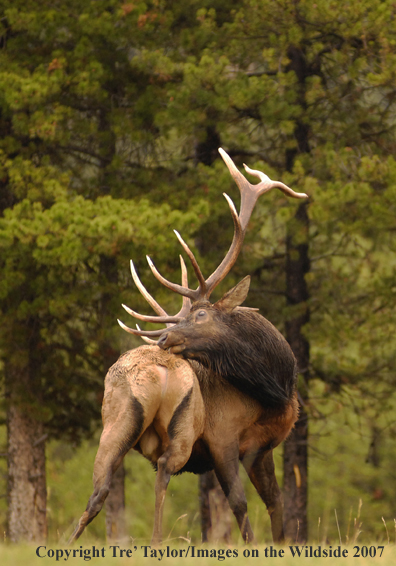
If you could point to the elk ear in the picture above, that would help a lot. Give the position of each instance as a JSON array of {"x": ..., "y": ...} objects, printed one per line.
[{"x": 235, "y": 296}]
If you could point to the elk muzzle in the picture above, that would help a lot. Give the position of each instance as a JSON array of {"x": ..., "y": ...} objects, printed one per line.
[{"x": 172, "y": 341}]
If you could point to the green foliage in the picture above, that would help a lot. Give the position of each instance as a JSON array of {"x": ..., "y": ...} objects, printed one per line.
[{"x": 351, "y": 468}]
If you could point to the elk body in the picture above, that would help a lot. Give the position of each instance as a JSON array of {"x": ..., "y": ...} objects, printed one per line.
[{"x": 217, "y": 388}]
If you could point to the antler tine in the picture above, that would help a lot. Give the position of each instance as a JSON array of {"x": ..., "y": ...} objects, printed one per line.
[
  {"x": 151, "y": 301},
  {"x": 249, "y": 192},
  {"x": 169, "y": 320},
  {"x": 185, "y": 291},
  {"x": 164, "y": 318},
  {"x": 147, "y": 318},
  {"x": 186, "y": 306},
  {"x": 268, "y": 184},
  {"x": 141, "y": 332},
  {"x": 194, "y": 263},
  {"x": 232, "y": 254},
  {"x": 148, "y": 340}
]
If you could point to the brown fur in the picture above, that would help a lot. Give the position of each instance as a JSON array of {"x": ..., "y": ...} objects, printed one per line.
[{"x": 153, "y": 403}]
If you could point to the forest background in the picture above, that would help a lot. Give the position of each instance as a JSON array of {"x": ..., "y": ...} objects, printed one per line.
[{"x": 111, "y": 114}]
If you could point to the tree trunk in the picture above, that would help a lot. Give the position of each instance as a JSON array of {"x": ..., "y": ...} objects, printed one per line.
[
  {"x": 115, "y": 508},
  {"x": 215, "y": 510},
  {"x": 26, "y": 490},
  {"x": 295, "y": 486},
  {"x": 296, "y": 447},
  {"x": 297, "y": 266},
  {"x": 115, "y": 502}
]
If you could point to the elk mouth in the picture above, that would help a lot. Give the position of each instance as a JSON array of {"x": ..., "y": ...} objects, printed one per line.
[{"x": 172, "y": 342}]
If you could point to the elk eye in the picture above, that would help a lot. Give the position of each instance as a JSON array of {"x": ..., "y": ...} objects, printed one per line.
[{"x": 201, "y": 314}]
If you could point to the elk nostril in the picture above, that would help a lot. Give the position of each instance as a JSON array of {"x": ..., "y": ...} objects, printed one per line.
[{"x": 162, "y": 340}]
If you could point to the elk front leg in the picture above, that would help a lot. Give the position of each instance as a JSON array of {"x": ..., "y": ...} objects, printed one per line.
[
  {"x": 226, "y": 467},
  {"x": 169, "y": 463},
  {"x": 262, "y": 475},
  {"x": 182, "y": 431}
]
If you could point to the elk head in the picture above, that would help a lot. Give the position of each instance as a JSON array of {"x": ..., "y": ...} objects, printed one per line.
[
  {"x": 204, "y": 322},
  {"x": 196, "y": 307}
]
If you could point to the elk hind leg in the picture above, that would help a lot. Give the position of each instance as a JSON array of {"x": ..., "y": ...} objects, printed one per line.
[
  {"x": 261, "y": 472},
  {"x": 118, "y": 437}
]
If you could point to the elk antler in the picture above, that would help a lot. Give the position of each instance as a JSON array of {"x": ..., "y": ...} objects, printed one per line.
[
  {"x": 249, "y": 196},
  {"x": 163, "y": 316}
]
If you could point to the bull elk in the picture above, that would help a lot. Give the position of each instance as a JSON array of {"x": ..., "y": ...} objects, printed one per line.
[{"x": 217, "y": 388}]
